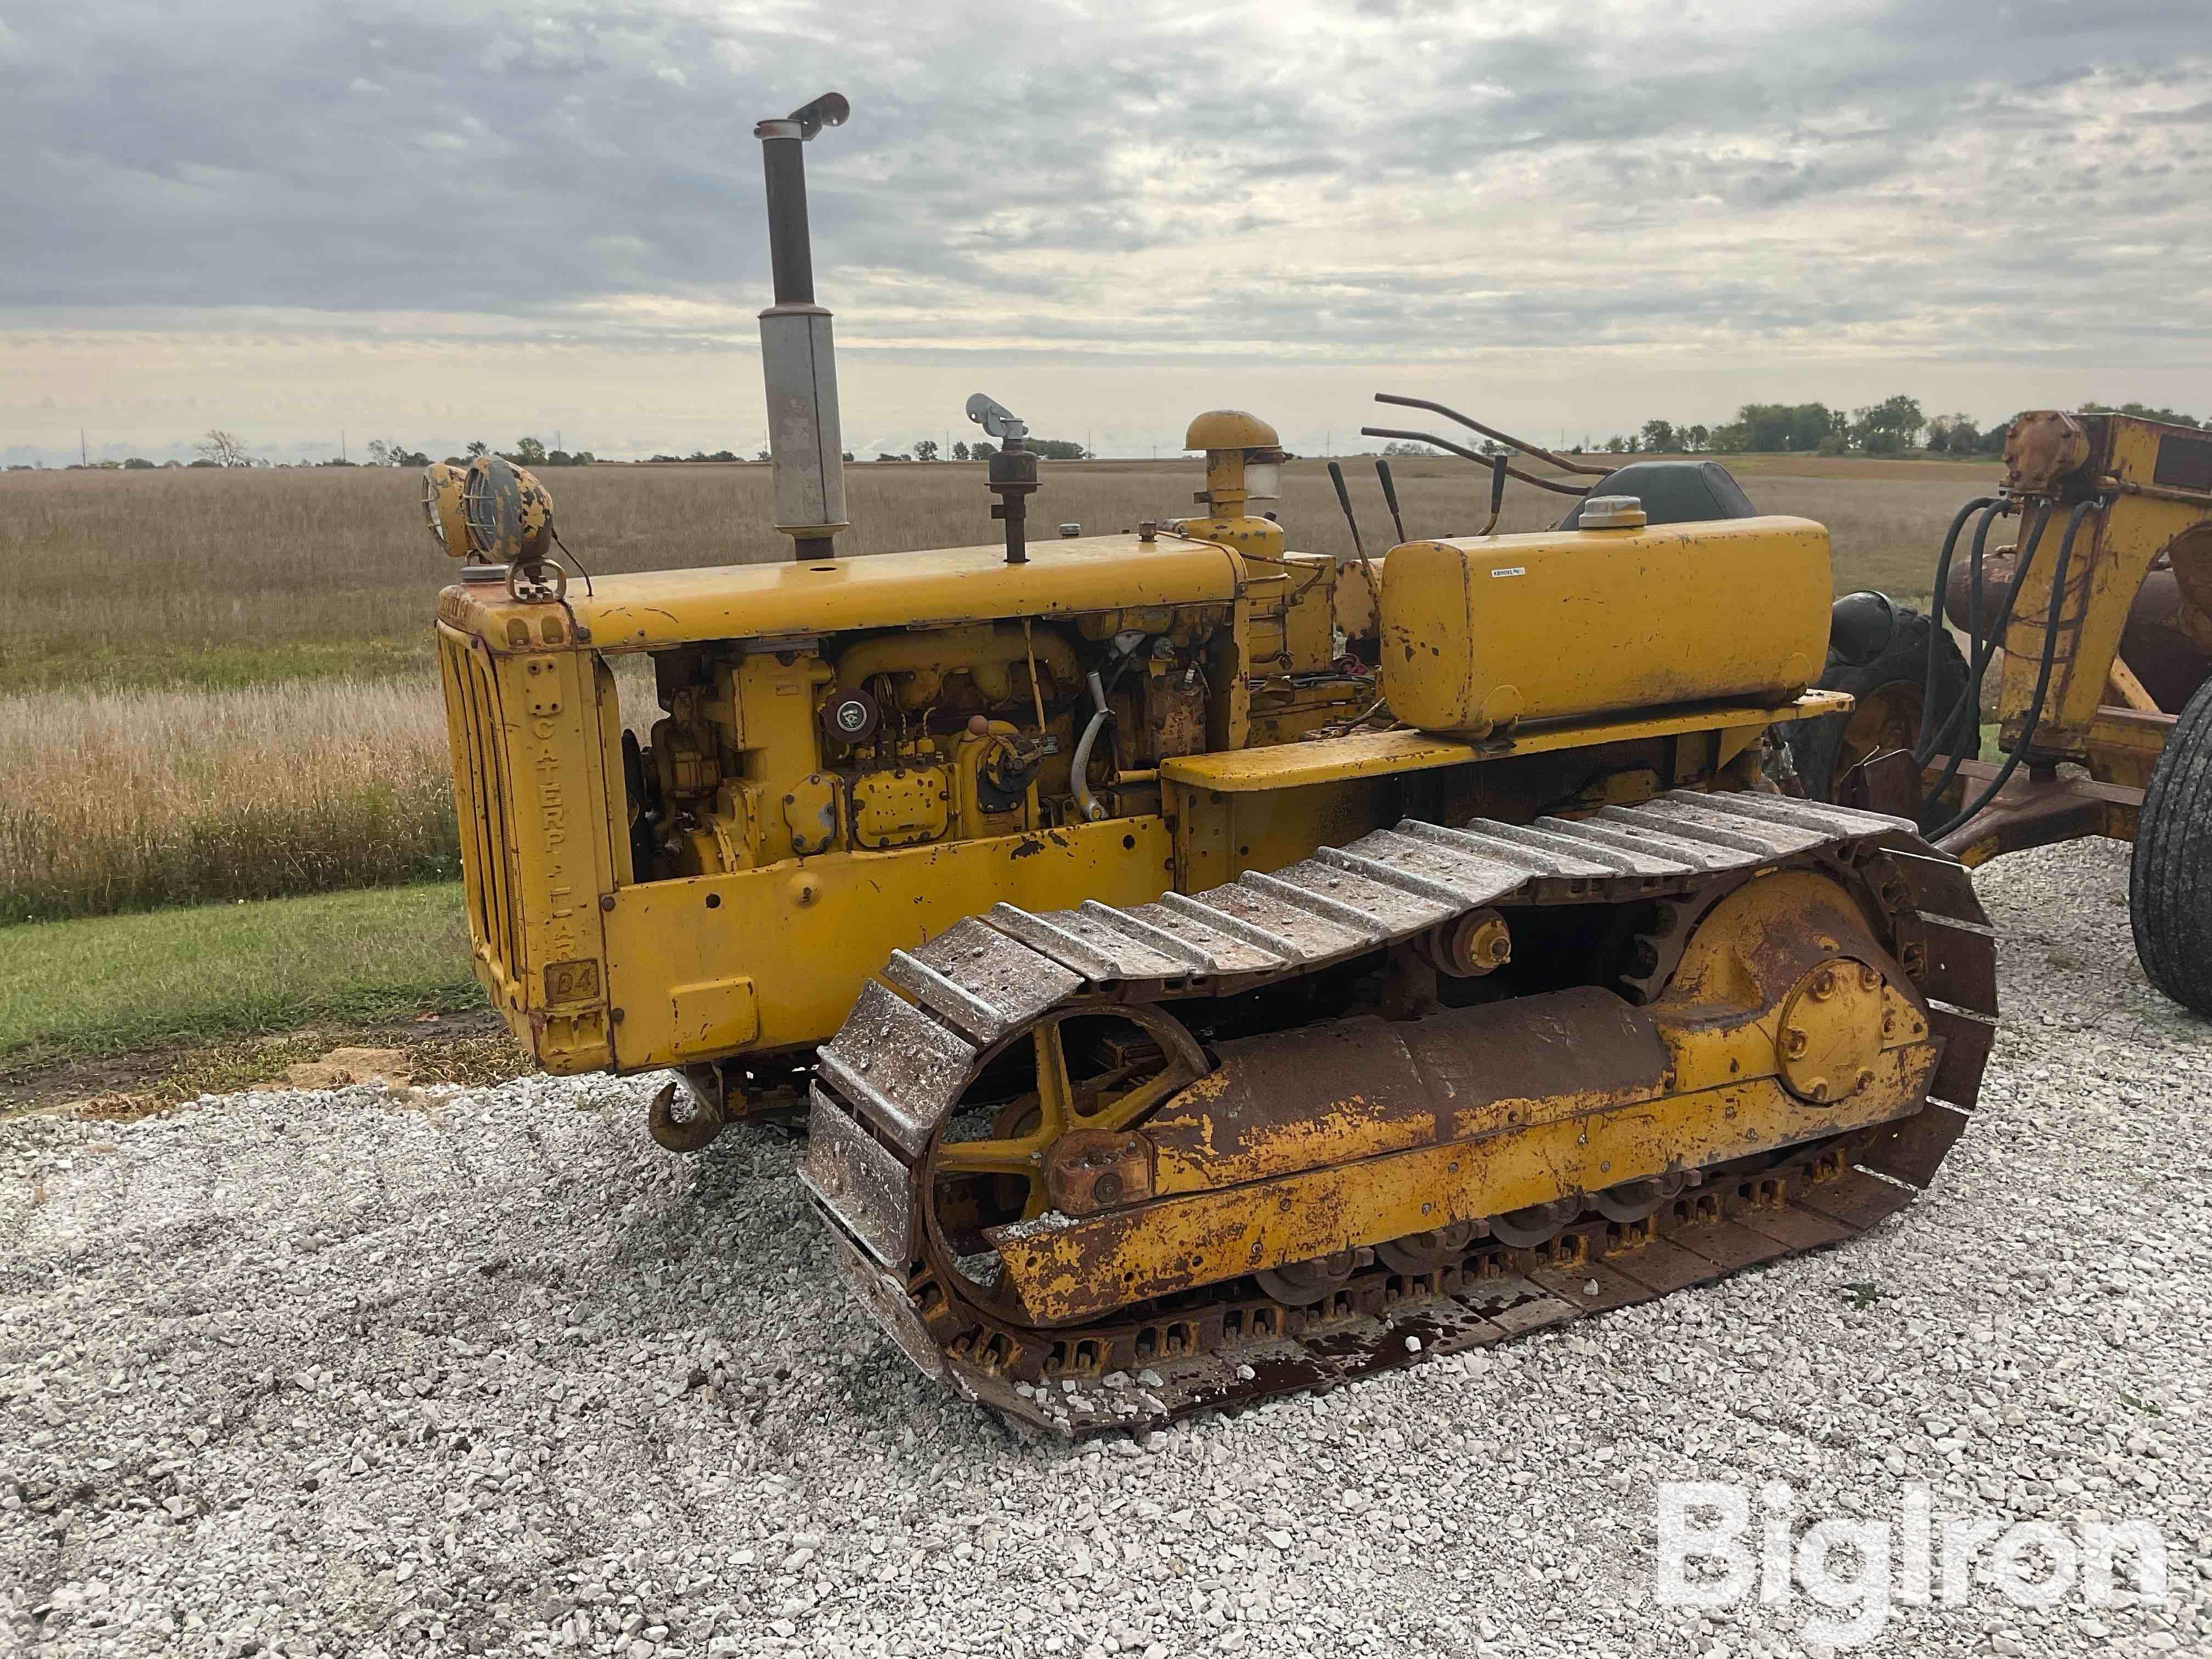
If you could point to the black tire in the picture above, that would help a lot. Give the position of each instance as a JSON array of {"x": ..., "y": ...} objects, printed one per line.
[
  {"x": 2170, "y": 872},
  {"x": 1891, "y": 684}
]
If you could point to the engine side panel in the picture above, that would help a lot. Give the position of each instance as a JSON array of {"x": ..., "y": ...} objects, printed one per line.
[{"x": 803, "y": 937}]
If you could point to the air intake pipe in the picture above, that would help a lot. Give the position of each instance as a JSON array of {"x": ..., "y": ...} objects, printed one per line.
[{"x": 804, "y": 443}]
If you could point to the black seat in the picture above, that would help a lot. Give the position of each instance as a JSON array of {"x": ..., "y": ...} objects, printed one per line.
[{"x": 1672, "y": 492}]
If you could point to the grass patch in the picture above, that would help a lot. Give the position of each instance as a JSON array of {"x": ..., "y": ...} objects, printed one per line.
[{"x": 102, "y": 986}]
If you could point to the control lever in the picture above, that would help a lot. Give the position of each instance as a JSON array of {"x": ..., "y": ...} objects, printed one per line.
[
  {"x": 1390, "y": 494},
  {"x": 1344, "y": 501},
  {"x": 1497, "y": 472}
]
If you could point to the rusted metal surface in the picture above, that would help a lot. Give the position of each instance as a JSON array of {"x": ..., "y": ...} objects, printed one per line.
[
  {"x": 859, "y": 1180},
  {"x": 905, "y": 1067},
  {"x": 1272, "y": 1107},
  {"x": 2037, "y": 812},
  {"x": 1910, "y": 1150},
  {"x": 1966, "y": 1039},
  {"x": 2042, "y": 448},
  {"x": 1832, "y": 1032},
  {"x": 1887, "y": 780},
  {"x": 2165, "y": 643},
  {"x": 1936, "y": 886},
  {"x": 1092, "y": 1266},
  {"x": 1175, "y": 718},
  {"x": 689, "y": 1134},
  {"x": 1957, "y": 965},
  {"x": 1239, "y": 1351},
  {"x": 886, "y": 1298},
  {"x": 1224, "y": 1338},
  {"x": 981, "y": 980},
  {"x": 1090, "y": 1170},
  {"x": 1468, "y": 946},
  {"x": 2184, "y": 464},
  {"x": 1858, "y": 1201}
]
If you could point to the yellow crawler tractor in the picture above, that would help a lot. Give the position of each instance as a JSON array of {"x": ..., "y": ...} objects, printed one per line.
[{"x": 1205, "y": 968}]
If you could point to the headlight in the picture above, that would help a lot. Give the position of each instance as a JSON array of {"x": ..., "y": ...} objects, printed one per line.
[
  {"x": 442, "y": 508},
  {"x": 508, "y": 514}
]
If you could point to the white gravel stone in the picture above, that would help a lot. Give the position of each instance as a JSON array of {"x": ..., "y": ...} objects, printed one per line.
[{"x": 327, "y": 1373}]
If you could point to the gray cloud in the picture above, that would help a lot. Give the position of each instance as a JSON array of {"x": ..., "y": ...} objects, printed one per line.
[{"x": 1399, "y": 182}]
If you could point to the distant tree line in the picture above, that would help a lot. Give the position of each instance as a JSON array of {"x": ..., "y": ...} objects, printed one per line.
[
  {"x": 1892, "y": 427},
  {"x": 221, "y": 448},
  {"x": 531, "y": 452},
  {"x": 1050, "y": 449},
  {"x": 924, "y": 449}
]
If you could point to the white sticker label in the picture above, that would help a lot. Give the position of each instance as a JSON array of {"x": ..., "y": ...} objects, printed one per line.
[{"x": 1510, "y": 570}]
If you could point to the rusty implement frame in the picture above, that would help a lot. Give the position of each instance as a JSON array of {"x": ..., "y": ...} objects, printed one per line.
[
  {"x": 2106, "y": 630},
  {"x": 2038, "y": 807}
]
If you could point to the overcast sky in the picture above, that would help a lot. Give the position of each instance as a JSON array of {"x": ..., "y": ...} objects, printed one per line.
[{"x": 443, "y": 221}]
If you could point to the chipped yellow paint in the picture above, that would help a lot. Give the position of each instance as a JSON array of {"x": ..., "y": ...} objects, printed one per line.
[
  {"x": 1711, "y": 1070},
  {"x": 1728, "y": 1005},
  {"x": 2112, "y": 553},
  {"x": 834, "y": 920},
  {"x": 1189, "y": 1158},
  {"x": 1171, "y": 1244},
  {"x": 1080, "y": 575},
  {"x": 1386, "y": 754}
]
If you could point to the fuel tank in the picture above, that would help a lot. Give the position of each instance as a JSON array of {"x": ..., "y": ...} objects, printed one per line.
[{"x": 1485, "y": 632}]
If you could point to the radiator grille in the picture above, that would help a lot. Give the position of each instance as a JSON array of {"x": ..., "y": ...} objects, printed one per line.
[{"x": 483, "y": 798}]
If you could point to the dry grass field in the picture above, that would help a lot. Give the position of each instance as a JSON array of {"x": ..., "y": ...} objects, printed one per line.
[
  {"x": 218, "y": 685},
  {"x": 126, "y": 800},
  {"x": 212, "y": 578}
]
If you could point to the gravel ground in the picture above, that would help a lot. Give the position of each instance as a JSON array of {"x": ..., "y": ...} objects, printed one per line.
[{"x": 323, "y": 1373}]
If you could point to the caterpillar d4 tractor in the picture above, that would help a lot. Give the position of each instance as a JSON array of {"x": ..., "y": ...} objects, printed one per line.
[{"x": 1205, "y": 968}]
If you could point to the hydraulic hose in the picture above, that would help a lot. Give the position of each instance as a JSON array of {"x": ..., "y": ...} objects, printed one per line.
[
  {"x": 1925, "y": 745},
  {"x": 2043, "y": 670},
  {"x": 1981, "y": 650},
  {"x": 1085, "y": 801}
]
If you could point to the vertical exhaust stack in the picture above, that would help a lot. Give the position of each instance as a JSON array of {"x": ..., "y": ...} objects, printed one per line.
[{"x": 805, "y": 445}]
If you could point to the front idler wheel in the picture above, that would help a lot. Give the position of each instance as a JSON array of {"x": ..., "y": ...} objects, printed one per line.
[{"x": 1048, "y": 1126}]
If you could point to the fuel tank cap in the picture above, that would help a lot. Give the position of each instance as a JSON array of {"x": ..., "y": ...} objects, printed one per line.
[{"x": 1612, "y": 512}]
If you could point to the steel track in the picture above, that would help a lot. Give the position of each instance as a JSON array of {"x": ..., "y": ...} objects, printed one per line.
[{"x": 886, "y": 1084}]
